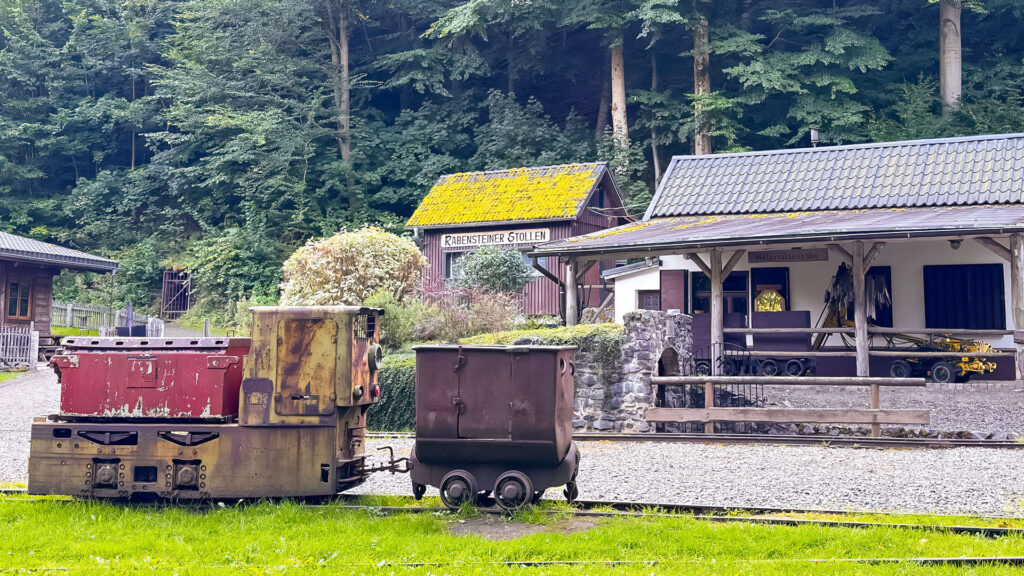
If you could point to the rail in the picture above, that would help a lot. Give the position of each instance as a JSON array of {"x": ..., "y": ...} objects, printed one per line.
[{"x": 709, "y": 414}]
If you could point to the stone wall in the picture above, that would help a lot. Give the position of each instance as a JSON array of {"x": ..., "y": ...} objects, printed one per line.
[{"x": 613, "y": 390}]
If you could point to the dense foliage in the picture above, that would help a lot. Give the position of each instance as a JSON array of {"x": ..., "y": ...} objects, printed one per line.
[
  {"x": 396, "y": 409},
  {"x": 221, "y": 135},
  {"x": 495, "y": 268},
  {"x": 349, "y": 267}
]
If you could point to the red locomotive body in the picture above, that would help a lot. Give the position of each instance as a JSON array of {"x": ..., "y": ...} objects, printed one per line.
[{"x": 151, "y": 378}]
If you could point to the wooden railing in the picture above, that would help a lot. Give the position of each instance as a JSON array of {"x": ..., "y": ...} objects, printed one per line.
[
  {"x": 710, "y": 414},
  {"x": 19, "y": 346},
  {"x": 101, "y": 318}
]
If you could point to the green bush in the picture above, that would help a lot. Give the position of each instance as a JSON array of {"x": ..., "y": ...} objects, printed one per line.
[
  {"x": 493, "y": 268},
  {"x": 396, "y": 409},
  {"x": 604, "y": 340},
  {"x": 399, "y": 318}
]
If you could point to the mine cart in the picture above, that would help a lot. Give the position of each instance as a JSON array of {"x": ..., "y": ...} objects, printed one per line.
[
  {"x": 494, "y": 421},
  {"x": 202, "y": 419}
]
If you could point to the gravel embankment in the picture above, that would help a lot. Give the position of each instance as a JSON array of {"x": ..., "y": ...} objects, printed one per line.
[
  {"x": 952, "y": 481},
  {"x": 942, "y": 481}
]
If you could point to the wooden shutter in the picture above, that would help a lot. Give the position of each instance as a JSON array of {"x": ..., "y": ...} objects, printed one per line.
[{"x": 673, "y": 290}]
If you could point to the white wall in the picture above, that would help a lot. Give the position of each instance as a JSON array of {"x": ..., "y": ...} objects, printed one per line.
[{"x": 809, "y": 280}]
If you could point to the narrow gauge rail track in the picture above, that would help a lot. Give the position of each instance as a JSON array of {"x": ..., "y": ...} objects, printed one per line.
[{"x": 788, "y": 440}]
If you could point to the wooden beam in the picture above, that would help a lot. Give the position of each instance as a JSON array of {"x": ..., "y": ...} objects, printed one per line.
[
  {"x": 586, "y": 268},
  {"x": 789, "y": 415},
  {"x": 872, "y": 254},
  {"x": 571, "y": 307},
  {"x": 784, "y": 381},
  {"x": 717, "y": 316},
  {"x": 547, "y": 273},
  {"x": 996, "y": 247},
  {"x": 1017, "y": 280},
  {"x": 860, "y": 324},
  {"x": 843, "y": 253},
  {"x": 733, "y": 261},
  {"x": 696, "y": 259}
]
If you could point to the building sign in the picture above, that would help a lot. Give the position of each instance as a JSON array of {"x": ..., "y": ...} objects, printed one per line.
[
  {"x": 496, "y": 238},
  {"x": 796, "y": 255}
]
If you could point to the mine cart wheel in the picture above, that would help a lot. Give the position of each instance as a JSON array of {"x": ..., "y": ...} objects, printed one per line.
[
  {"x": 418, "y": 490},
  {"x": 537, "y": 496},
  {"x": 571, "y": 491},
  {"x": 513, "y": 490},
  {"x": 794, "y": 367},
  {"x": 769, "y": 367},
  {"x": 702, "y": 368},
  {"x": 457, "y": 488},
  {"x": 943, "y": 372},
  {"x": 900, "y": 369}
]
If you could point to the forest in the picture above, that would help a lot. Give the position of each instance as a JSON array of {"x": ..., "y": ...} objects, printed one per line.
[{"x": 221, "y": 135}]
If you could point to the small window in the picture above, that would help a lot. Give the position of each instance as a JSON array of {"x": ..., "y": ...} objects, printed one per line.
[
  {"x": 770, "y": 289},
  {"x": 449, "y": 262},
  {"x": 648, "y": 299},
  {"x": 967, "y": 296},
  {"x": 542, "y": 261},
  {"x": 19, "y": 300}
]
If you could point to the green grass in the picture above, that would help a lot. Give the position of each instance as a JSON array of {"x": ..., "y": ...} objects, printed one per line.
[
  {"x": 51, "y": 536},
  {"x": 9, "y": 375},
  {"x": 67, "y": 331}
]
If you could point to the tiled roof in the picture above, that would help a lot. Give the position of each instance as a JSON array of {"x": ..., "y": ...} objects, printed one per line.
[
  {"x": 940, "y": 172},
  {"x": 29, "y": 250},
  {"x": 517, "y": 195},
  {"x": 696, "y": 233}
]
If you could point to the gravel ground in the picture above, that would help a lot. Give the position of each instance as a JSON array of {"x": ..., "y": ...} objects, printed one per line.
[
  {"x": 947, "y": 481},
  {"x": 951, "y": 481},
  {"x": 986, "y": 407},
  {"x": 27, "y": 396}
]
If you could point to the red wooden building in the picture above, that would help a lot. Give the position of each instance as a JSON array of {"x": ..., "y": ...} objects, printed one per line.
[{"x": 521, "y": 208}]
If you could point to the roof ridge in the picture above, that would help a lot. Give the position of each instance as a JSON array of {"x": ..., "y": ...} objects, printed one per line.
[
  {"x": 861, "y": 145},
  {"x": 499, "y": 171}
]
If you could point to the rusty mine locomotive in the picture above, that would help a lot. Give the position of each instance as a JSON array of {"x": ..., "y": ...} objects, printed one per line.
[{"x": 283, "y": 414}]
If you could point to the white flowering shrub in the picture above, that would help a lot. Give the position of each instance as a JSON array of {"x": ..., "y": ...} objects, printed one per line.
[{"x": 349, "y": 267}]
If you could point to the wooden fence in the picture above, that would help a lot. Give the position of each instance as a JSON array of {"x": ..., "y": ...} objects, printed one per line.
[
  {"x": 710, "y": 414},
  {"x": 101, "y": 318},
  {"x": 19, "y": 346}
]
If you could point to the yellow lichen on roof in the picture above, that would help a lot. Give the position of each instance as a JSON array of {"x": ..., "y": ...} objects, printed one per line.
[{"x": 520, "y": 194}]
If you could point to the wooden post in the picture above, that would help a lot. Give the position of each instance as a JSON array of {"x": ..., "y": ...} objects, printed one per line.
[
  {"x": 206, "y": 327},
  {"x": 571, "y": 307},
  {"x": 1017, "y": 295},
  {"x": 717, "y": 317},
  {"x": 860, "y": 320},
  {"x": 709, "y": 402}
]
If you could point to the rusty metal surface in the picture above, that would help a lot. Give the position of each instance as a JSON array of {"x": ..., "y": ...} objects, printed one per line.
[
  {"x": 190, "y": 382},
  {"x": 691, "y": 233}
]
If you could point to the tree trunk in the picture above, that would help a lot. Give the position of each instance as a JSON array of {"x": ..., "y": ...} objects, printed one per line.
[
  {"x": 602, "y": 108},
  {"x": 950, "y": 53},
  {"x": 620, "y": 130},
  {"x": 511, "y": 68},
  {"x": 701, "y": 77},
  {"x": 336, "y": 26},
  {"x": 654, "y": 134}
]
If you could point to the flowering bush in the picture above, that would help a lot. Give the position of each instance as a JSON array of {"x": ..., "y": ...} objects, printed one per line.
[
  {"x": 455, "y": 312},
  {"x": 494, "y": 268},
  {"x": 350, "y": 266}
]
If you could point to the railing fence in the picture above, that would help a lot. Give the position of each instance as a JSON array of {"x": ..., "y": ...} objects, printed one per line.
[
  {"x": 19, "y": 346},
  {"x": 102, "y": 318}
]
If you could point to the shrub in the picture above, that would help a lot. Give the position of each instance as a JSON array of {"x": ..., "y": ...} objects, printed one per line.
[
  {"x": 396, "y": 409},
  {"x": 350, "y": 266},
  {"x": 243, "y": 317},
  {"x": 454, "y": 313},
  {"x": 230, "y": 262},
  {"x": 494, "y": 268},
  {"x": 604, "y": 340},
  {"x": 399, "y": 318}
]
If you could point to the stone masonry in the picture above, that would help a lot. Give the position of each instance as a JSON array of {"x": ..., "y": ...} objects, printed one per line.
[{"x": 613, "y": 391}]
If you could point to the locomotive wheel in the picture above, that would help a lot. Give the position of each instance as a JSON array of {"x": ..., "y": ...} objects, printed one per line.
[
  {"x": 769, "y": 367},
  {"x": 943, "y": 372},
  {"x": 513, "y": 490},
  {"x": 418, "y": 490},
  {"x": 900, "y": 369},
  {"x": 794, "y": 367},
  {"x": 457, "y": 488},
  {"x": 702, "y": 368},
  {"x": 571, "y": 491}
]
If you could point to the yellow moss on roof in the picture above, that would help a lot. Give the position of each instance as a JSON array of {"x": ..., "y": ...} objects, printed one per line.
[{"x": 520, "y": 194}]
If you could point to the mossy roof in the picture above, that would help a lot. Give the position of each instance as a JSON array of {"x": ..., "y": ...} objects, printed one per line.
[{"x": 516, "y": 195}]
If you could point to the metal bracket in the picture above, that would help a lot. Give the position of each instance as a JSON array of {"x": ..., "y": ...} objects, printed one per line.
[{"x": 394, "y": 466}]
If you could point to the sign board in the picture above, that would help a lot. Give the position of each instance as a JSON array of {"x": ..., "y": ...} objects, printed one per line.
[
  {"x": 795, "y": 255},
  {"x": 496, "y": 238}
]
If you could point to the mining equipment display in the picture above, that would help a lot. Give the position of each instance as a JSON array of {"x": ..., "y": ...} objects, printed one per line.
[
  {"x": 283, "y": 415},
  {"x": 494, "y": 422}
]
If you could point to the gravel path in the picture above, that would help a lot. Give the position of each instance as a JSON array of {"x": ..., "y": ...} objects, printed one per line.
[
  {"x": 952, "y": 481},
  {"x": 947, "y": 481},
  {"x": 21, "y": 399}
]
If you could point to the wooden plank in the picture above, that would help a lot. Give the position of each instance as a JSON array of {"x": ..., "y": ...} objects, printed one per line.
[
  {"x": 788, "y": 415},
  {"x": 1017, "y": 280},
  {"x": 571, "y": 311},
  {"x": 939, "y": 331},
  {"x": 784, "y": 381},
  {"x": 860, "y": 322},
  {"x": 872, "y": 254},
  {"x": 717, "y": 316},
  {"x": 696, "y": 259},
  {"x": 789, "y": 330},
  {"x": 792, "y": 354},
  {"x": 912, "y": 354},
  {"x": 733, "y": 261},
  {"x": 842, "y": 252},
  {"x": 996, "y": 247},
  {"x": 709, "y": 402}
]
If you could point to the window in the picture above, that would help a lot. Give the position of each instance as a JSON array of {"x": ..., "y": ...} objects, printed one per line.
[
  {"x": 449, "y": 262},
  {"x": 19, "y": 300},
  {"x": 541, "y": 261},
  {"x": 648, "y": 299},
  {"x": 734, "y": 293},
  {"x": 770, "y": 279},
  {"x": 967, "y": 296}
]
